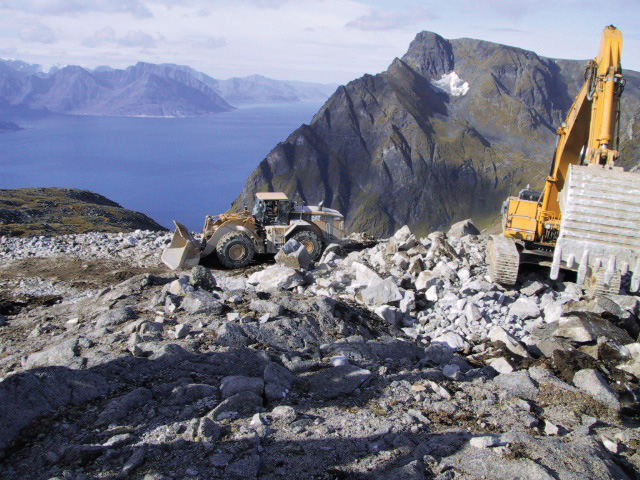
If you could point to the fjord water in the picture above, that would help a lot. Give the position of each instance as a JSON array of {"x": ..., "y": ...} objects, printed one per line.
[{"x": 167, "y": 168}]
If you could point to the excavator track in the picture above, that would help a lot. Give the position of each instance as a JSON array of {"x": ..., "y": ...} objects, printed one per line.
[{"x": 503, "y": 260}]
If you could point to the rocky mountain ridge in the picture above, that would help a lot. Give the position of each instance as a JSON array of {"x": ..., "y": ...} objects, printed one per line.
[
  {"x": 143, "y": 89},
  {"x": 400, "y": 360},
  {"x": 59, "y": 211},
  {"x": 447, "y": 132}
]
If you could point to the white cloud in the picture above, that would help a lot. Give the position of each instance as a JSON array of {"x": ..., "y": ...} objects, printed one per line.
[
  {"x": 37, "y": 33},
  {"x": 133, "y": 38},
  {"x": 204, "y": 41},
  {"x": 378, "y": 20},
  {"x": 135, "y": 8}
]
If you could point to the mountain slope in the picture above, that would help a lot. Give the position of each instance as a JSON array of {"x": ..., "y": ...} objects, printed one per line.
[
  {"x": 59, "y": 211},
  {"x": 447, "y": 132}
]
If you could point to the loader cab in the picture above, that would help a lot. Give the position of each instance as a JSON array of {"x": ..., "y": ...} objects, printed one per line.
[{"x": 272, "y": 208}]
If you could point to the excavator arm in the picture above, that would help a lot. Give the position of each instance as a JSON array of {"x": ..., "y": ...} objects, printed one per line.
[
  {"x": 587, "y": 218},
  {"x": 590, "y": 133}
]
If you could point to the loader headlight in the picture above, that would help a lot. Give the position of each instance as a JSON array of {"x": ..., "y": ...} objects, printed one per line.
[{"x": 547, "y": 226}]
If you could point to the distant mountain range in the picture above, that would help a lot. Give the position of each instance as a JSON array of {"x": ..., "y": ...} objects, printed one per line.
[
  {"x": 446, "y": 133},
  {"x": 144, "y": 89}
]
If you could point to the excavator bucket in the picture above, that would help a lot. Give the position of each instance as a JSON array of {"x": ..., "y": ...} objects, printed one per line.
[
  {"x": 183, "y": 251},
  {"x": 600, "y": 228}
]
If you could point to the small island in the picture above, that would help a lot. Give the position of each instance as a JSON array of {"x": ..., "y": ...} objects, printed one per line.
[{"x": 9, "y": 127}]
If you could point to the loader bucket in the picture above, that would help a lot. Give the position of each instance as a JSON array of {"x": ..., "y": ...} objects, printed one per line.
[
  {"x": 600, "y": 227},
  {"x": 183, "y": 251}
]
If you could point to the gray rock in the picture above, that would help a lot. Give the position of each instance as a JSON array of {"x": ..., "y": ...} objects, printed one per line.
[
  {"x": 25, "y": 396},
  {"x": 474, "y": 286},
  {"x": 276, "y": 277},
  {"x": 364, "y": 275},
  {"x": 220, "y": 460},
  {"x": 452, "y": 340},
  {"x": 201, "y": 301},
  {"x": 63, "y": 354},
  {"x": 181, "y": 286},
  {"x": 283, "y": 413},
  {"x": 4, "y": 321},
  {"x": 428, "y": 279},
  {"x": 266, "y": 307},
  {"x": 451, "y": 371},
  {"x": 115, "y": 317},
  {"x": 277, "y": 381},
  {"x": 408, "y": 302},
  {"x": 501, "y": 365},
  {"x": 517, "y": 384},
  {"x": 238, "y": 383},
  {"x": 294, "y": 255},
  {"x": 241, "y": 403},
  {"x": 532, "y": 288},
  {"x": 190, "y": 393},
  {"x": 387, "y": 313},
  {"x": 120, "y": 407},
  {"x": 201, "y": 277},
  {"x": 120, "y": 440},
  {"x": 498, "y": 334},
  {"x": 231, "y": 335},
  {"x": 134, "y": 461},
  {"x": 547, "y": 458},
  {"x": 208, "y": 430},
  {"x": 404, "y": 239},
  {"x": 588, "y": 327},
  {"x": 181, "y": 330},
  {"x": 337, "y": 381},
  {"x": 471, "y": 313},
  {"x": 460, "y": 229},
  {"x": 381, "y": 293},
  {"x": 593, "y": 383},
  {"x": 484, "y": 441},
  {"x": 524, "y": 308},
  {"x": 244, "y": 469}
]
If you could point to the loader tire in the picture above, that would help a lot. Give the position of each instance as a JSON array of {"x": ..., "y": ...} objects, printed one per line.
[
  {"x": 235, "y": 250},
  {"x": 311, "y": 242}
]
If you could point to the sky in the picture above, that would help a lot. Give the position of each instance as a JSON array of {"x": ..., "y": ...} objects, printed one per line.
[{"x": 327, "y": 41}]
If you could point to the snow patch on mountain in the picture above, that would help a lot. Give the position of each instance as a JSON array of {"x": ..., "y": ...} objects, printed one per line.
[{"x": 452, "y": 84}]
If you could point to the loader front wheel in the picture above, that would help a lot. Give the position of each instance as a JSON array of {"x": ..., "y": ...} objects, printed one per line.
[
  {"x": 311, "y": 242},
  {"x": 235, "y": 250}
]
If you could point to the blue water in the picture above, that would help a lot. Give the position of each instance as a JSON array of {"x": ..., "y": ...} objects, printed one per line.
[{"x": 166, "y": 168}]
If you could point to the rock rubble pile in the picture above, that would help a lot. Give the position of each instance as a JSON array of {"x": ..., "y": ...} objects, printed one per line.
[{"x": 399, "y": 360}]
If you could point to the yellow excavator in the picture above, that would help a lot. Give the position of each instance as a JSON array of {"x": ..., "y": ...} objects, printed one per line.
[{"x": 587, "y": 217}]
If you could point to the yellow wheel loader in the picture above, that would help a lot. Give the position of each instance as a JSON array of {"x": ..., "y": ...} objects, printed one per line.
[
  {"x": 587, "y": 217},
  {"x": 236, "y": 238}
]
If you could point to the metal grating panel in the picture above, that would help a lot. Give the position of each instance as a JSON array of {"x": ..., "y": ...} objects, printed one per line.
[{"x": 600, "y": 223}]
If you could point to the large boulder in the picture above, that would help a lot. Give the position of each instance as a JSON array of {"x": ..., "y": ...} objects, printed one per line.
[
  {"x": 593, "y": 383},
  {"x": 381, "y": 293},
  {"x": 460, "y": 229},
  {"x": 276, "y": 277},
  {"x": 294, "y": 255}
]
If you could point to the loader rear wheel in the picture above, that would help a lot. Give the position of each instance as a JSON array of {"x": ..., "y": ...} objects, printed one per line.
[
  {"x": 311, "y": 242},
  {"x": 235, "y": 250}
]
